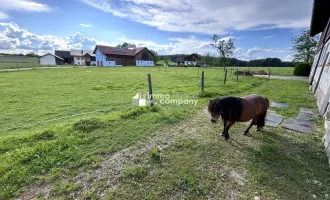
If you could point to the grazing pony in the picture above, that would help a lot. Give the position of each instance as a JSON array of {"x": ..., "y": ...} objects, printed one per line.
[{"x": 239, "y": 109}]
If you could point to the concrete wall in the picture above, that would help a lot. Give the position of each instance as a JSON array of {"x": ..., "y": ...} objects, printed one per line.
[
  {"x": 144, "y": 63},
  {"x": 48, "y": 60}
]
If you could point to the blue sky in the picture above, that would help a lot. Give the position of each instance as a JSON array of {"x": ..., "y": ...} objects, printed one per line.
[{"x": 260, "y": 28}]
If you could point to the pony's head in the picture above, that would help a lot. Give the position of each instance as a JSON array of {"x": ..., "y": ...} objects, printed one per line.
[{"x": 215, "y": 110}]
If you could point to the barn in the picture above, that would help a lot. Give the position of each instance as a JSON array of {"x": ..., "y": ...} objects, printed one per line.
[
  {"x": 50, "y": 59},
  {"x": 320, "y": 74},
  {"x": 68, "y": 59},
  {"x": 114, "y": 56},
  {"x": 192, "y": 59}
]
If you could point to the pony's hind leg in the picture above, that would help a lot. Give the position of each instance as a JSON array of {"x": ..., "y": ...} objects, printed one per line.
[
  {"x": 246, "y": 132},
  {"x": 261, "y": 121}
]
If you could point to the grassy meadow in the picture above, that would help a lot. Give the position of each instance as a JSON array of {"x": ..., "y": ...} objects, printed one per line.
[
  {"x": 13, "y": 62},
  {"x": 161, "y": 152}
]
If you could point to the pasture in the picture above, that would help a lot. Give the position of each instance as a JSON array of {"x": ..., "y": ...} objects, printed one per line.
[
  {"x": 163, "y": 152},
  {"x": 13, "y": 62}
]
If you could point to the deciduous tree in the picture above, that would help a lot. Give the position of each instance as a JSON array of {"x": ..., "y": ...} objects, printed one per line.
[{"x": 304, "y": 46}]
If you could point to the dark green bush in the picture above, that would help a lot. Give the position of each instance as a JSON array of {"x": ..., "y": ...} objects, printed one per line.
[{"x": 302, "y": 69}]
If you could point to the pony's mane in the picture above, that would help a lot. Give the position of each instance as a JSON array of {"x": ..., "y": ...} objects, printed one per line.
[{"x": 226, "y": 105}]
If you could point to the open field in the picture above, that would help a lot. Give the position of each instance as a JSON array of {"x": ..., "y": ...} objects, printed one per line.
[
  {"x": 9, "y": 62},
  {"x": 164, "y": 152}
]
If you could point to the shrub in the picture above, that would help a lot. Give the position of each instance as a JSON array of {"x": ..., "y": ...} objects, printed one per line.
[{"x": 302, "y": 69}]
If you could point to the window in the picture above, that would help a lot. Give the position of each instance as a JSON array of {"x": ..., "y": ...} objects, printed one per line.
[{"x": 78, "y": 63}]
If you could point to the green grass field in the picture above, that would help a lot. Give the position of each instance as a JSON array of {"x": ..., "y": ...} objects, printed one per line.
[
  {"x": 10, "y": 62},
  {"x": 164, "y": 152}
]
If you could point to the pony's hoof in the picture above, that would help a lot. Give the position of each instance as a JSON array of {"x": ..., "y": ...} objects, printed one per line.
[
  {"x": 222, "y": 134},
  {"x": 246, "y": 134}
]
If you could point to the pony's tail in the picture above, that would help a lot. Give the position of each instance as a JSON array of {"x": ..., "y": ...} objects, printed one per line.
[
  {"x": 261, "y": 120},
  {"x": 267, "y": 102}
]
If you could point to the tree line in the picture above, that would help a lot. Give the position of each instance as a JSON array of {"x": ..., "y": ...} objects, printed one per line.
[{"x": 209, "y": 59}]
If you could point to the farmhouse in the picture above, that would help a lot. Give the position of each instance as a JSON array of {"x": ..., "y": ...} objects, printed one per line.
[
  {"x": 68, "y": 59},
  {"x": 50, "y": 59},
  {"x": 114, "y": 56},
  {"x": 83, "y": 57},
  {"x": 189, "y": 60},
  {"x": 320, "y": 74}
]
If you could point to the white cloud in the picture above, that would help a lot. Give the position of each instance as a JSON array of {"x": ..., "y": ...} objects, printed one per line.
[
  {"x": 268, "y": 37},
  {"x": 250, "y": 54},
  {"x": 16, "y": 39},
  {"x": 255, "y": 50},
  {"x": 175, "y": 45},
  {"x": 21, "y": 5},
  {"x": 288, "y": 58},
  {"x": 24, "y": 5},
  {"x": 85, "y": 25},
  {"x": 3, "y": 15},
  {"x": 210, "y": 16}
]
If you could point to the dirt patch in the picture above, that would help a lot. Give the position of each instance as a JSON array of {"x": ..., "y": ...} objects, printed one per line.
[
  {"x": 250, "y": 73},
  {"x": 36, "y": 190},
  {"x": 260, "y": 72},
  {"x": 113, "y": 167}
]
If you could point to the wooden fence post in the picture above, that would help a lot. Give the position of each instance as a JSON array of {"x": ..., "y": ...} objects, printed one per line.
[
  {"x": 202, "y": 81},
  {"x": 150, "y": 90},
  {"x": 236, "y": 74},
  {"x": 269, "y": 73},
  {"x": 224, "y": 81}
]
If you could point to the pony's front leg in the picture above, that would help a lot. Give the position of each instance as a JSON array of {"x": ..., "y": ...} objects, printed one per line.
[
  {"x": 224, "y": 128},
  {"x": 226, "y": 135}
]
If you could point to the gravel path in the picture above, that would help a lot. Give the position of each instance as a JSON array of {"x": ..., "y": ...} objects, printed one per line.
[{"x": 298, "y": 78}]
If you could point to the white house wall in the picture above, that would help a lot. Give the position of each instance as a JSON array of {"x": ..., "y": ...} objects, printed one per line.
[
  {"x": 48, "y": 60},
  {"x": 79, "y": 60},
  {"x": 190, "y": 62},
  {"x": 144, "y": 63}
]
